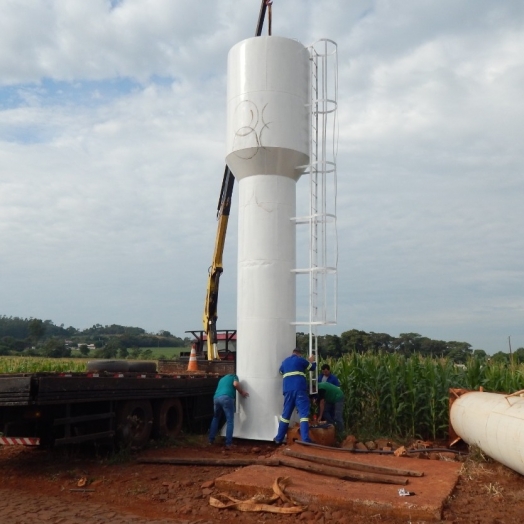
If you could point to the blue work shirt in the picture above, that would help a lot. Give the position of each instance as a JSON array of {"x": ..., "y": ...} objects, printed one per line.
[
  {"x": 332, "y": 379},
  {"x": 294, "y": 369}
]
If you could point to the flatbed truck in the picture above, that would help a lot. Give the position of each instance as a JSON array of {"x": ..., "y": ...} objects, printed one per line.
[{"x": 126, "y": 404}]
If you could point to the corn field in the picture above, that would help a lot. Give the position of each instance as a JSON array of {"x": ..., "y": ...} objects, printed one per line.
[
  {"x": 385, "y": 394},
  {"x": 37, "y": 365},
  {"x": 396, "y": 396}
]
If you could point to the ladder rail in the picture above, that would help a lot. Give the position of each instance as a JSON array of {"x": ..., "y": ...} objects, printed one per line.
[{"x": 321, "y": 218}]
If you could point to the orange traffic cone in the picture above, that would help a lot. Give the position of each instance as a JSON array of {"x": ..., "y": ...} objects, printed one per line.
[{"x": 192, "y": 364}]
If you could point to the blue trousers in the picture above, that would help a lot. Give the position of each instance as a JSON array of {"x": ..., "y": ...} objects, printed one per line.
[
  {"x": 300, "y": 400},
  {"x": 334, "y": 414},
  {"x": 223, "y": 404}
]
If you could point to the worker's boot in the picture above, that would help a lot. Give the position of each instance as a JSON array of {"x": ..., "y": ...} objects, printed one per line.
[
  {"x": 282, "y": 433},
  {"x": 304, "y": 431}
]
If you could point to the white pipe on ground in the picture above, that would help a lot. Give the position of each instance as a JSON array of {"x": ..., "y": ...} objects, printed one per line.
[{"x": 494, "y": 423}]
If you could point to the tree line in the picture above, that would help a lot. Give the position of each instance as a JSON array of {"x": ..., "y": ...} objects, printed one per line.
[
  {"x": 33, "y": 336},
  {"x": 357, "y": 341}
]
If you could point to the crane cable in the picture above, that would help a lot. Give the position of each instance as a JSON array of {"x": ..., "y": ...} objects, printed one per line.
[{"x": 269, "y": 4}]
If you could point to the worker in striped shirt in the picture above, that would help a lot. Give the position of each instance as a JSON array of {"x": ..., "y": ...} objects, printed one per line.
[{"x": 295, "y": 388}]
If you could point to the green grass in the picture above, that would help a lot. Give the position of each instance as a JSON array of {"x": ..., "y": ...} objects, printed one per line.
[{"x": 167, "y": 352}]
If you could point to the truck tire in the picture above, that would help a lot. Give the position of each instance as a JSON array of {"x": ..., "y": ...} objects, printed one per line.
[
  {"x": 142, "y": 366},
  {"x": 169, "y": 417},
  {"x": 122, "y": 366},
  {"x": 134, "y": 423},
  {"x": 113, "y": 366}
]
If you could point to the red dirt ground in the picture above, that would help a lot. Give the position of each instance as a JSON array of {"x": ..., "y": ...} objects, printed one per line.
[{"x": 487, "y": 493}]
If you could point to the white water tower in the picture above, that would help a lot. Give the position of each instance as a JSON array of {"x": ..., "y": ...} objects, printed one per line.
[{"x": 268, "y": 148}]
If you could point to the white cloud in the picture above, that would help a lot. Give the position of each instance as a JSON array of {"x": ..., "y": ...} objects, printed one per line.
[{"x": 112, "y": 152}]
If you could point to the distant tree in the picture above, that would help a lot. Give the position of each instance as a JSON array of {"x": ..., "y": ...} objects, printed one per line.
[
  {"x": 518, "y": 356},
  {"x": 330, "y": 346},
  {"x": 53, "y": 330},
  {"x": 407, "y": 343},
  {"x": 147, "y": 354},
  {"x": 135, "y": 352},
  {"x": 112, "y": 348},
  {"x": 8, "y": 341},
  {"x": 56, "y": 348},
  {"x": 14, "y": 326},
  {"x": 479, "y": 353},
  {"x": 355, "y": 340},
  {"x": 113, "y": 329},
  {"x": 71, "y": 331},
  {"x": 14, "y": 344},
  {"x": 432, "y": 348},
  {"x": 164, "y": 333},
  {"x": 380, "y": 342},
  {"x": 123, "y": 352},
  {"x": 84, "y": 350},
  {"x": 37, "y": 329},
  {"x": 500, "y": 357},
  {"x": 301, "y": 341},
  {"x": 105, "y": 352},
  {"x": 31, "y": 352},
  {"x": 459, "y": 351}
]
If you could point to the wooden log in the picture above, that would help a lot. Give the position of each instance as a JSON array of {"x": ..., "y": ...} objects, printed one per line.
[
  {"x": 204, "y": 461},
  {"x": 289, "y": 462},
  {"x": 340, "y": 473},
  {"x": 357, "y": 466}
]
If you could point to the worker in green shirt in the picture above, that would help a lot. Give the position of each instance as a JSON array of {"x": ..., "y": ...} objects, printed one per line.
[
  {"x": 224, "y": 403},
  {"x": 330, "y": 401}
]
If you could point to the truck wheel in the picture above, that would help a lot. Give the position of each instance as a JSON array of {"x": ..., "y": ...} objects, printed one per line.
[
  {"x": 113, "y": 366},
  {"x": 142, "y": 366},
  {"x": 134, "y": 423},
  {"x": 169, "y": 418}
]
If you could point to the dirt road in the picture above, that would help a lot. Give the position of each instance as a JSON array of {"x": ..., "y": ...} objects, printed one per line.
[{"x": 79, "y": 487}]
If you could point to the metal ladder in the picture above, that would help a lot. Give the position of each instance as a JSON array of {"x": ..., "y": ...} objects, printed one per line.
[{"x": 321, "y": 217}]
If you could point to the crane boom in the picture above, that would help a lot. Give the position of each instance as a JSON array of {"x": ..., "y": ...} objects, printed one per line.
[{"x": 209, "y": 318}]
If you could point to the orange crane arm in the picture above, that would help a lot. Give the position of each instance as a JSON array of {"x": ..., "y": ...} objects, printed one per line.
[{"x": 209, "y": 318}]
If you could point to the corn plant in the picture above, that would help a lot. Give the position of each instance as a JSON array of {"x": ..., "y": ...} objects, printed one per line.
[
  {"x": 40, "y": 365},
  {"x": 394, "y": 395}
]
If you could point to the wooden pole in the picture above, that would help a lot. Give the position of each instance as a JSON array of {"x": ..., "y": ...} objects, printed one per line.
[
  {"x": 357, "y": 466},
  {"x": 202, "y": 461},
  {"x": 340, "y": 473}
]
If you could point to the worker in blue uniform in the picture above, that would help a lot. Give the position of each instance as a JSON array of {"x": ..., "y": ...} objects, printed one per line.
[
  {"x": 295, "y": 388},
  {"x": 327, "y": 376}
]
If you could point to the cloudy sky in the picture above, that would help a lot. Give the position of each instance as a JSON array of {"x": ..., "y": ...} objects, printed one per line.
[{"x": 112, "y": 146}]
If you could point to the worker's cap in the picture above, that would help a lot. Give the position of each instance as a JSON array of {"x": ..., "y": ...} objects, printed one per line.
[{"x": 298, "y": 350}]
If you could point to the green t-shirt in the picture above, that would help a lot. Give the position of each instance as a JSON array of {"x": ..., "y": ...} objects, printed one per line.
[
  {"x": 330, "y": 393},
  {"x": 225, "y": 386}
]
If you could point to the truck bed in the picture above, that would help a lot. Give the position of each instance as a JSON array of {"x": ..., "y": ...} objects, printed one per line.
[{"x": 52, "y": 388}]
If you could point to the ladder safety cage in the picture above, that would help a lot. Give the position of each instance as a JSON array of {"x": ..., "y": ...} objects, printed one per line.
[{"x": 321, "y": 217}]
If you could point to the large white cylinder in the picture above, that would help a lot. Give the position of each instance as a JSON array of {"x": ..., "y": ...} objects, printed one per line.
[
  {"x": 268, "y": 129},
  {"x": 494, "y": 423}
]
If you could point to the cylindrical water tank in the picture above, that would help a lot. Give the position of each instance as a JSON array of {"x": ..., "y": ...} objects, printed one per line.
[
  {"x": 268, "y": 132},
  {"x": 494, "y": 423},
  {"x": 268, "y": 116}
]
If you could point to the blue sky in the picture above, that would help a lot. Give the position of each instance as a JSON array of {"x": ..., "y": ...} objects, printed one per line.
[{"x": 112, "y": 145}]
